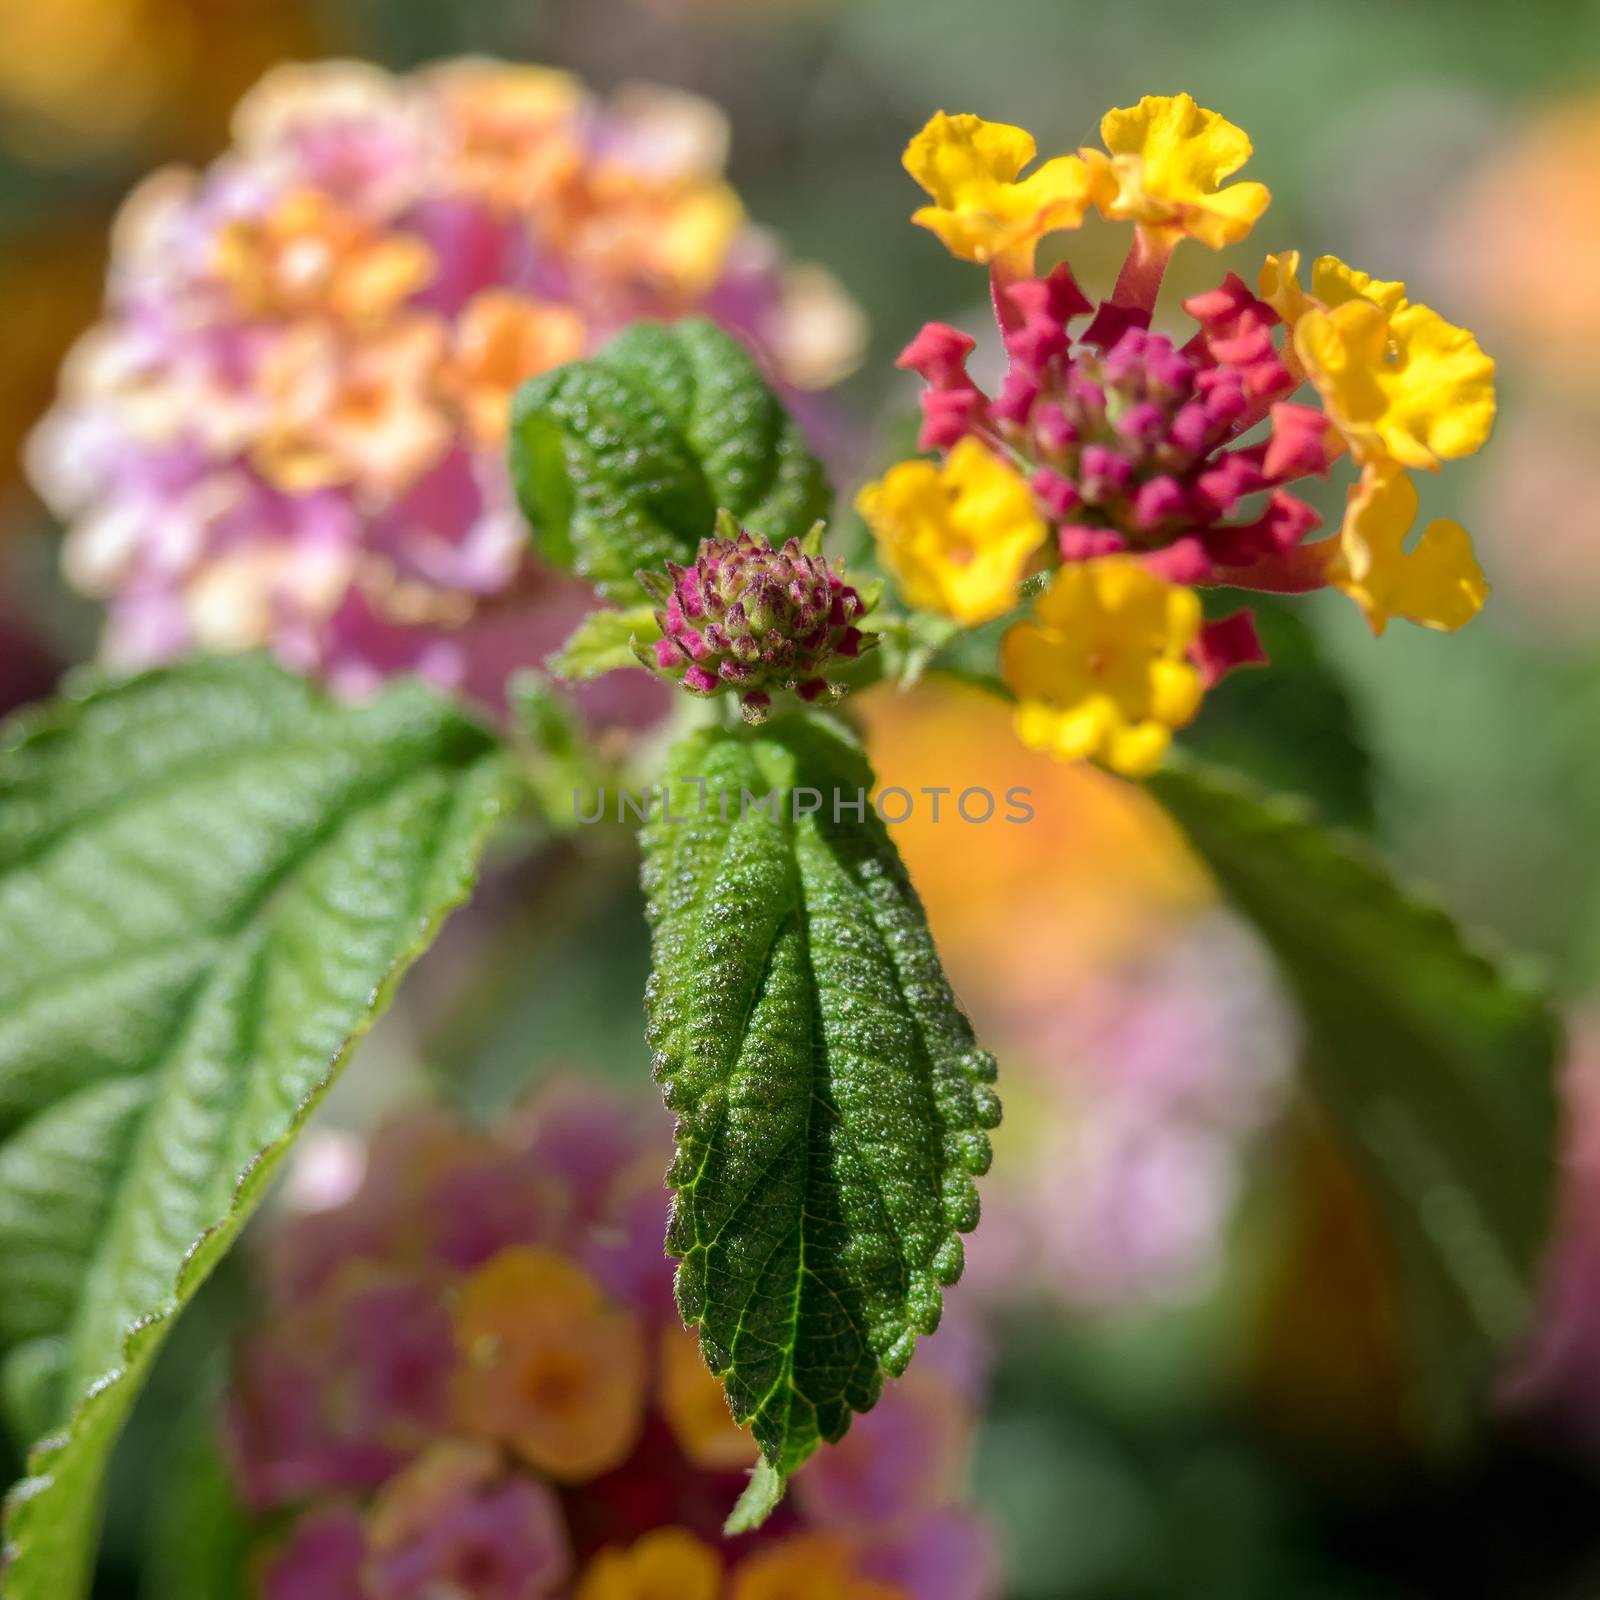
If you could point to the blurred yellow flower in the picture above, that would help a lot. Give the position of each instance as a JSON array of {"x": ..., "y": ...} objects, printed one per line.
[
  {"x": 981, "y": 211},
  {"x": 1407, "y": 386},
  {"x": 808, "y": 1567},
  {"x": 696, "y": 1409},
  {"x": 363, "y": 412},
  {"x": 957, "y": 536},
  {"x": 672, "y": 235},
  {"x": 310, "y": 256},
  {"x": 513, "y": 146},
  {"x": 1101, "y": 669},
  {"x": 666, "y": 1564},
  {"x": 550, "y": 1367},
  {"x": 81, "y": 79},
  {"x": 1438, "y": 583},
  {"x": 1165, "y": 169},
  {"x": 502, "y": 339}
]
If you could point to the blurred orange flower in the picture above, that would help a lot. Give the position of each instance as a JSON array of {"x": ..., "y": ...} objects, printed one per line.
[
  {"x": 812, "y": 1567},
  {"x": 1520, "y": 240},
  {"x": 550, "y": 1367},
  {"x": 697, "y": 1409},
  {"x": 666, "y": 1564}
]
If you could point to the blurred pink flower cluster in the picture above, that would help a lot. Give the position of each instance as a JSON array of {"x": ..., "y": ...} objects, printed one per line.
[
  {"x": 288, "y": 430},
  {"x": 1163, "y": 1071},
  {"x": 471, "y": 1380}
]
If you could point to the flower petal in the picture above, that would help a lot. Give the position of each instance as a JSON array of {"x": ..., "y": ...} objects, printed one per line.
[
  {"x": 1438, "y": 584},
  {"x": 980, "y": 211},
  {"x": 1101, "y": 669},
  {"x": 958, "y": 536},
  {"x": 1411, "y": 388},
  {"x": 1167, "y": 161}
]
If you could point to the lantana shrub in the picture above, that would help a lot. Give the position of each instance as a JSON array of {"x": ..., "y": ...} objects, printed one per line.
[{"x": 282, "y": 462}]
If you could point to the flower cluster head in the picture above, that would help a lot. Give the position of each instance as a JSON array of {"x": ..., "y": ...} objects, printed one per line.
[
  {"x": 751, "y": 619},
  {"x": 288, "y": 429},
  {"x": 1123, "y": 466},
  {"x": 471, "y": 1380}
]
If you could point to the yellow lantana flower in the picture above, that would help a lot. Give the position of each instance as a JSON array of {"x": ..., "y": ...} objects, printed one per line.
[
  {"x": 1101, "y": 669},
  {"x": 666, "y": 1564},
  {"x": 981, "y": 211},
  {"x": 956, "y": 536},
  {"x": 1167, "y": 159},
  {"x": 1439, "y": 583},
  {"x": 1404, "y": 386}
]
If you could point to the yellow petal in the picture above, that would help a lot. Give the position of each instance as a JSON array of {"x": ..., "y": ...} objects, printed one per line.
[
  {"x": 957, "y": 537},
  {"x": 1438, "y": 584},
  {"x": 1136, "y": 751},
  {"x": 1279, "y": 286},
  {"x": 1174, "y": 690},
  {"x": 981, "y": 211},
  {"x": 1101, "y": 669},
  {"x": 1165, "y": 168},
  {"x": 1333, "y": 283},
  {"x": 1410, "y": 388},
  {"x": 955, "y": 156}
]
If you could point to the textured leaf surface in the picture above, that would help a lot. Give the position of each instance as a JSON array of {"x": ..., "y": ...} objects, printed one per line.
[
  {"x": 603, "y": 642},
  {"x": 829, "y": 1095},
  {"x": 1435, "y": 1067},
  {"x": 210, "y": 878},
  {"x": 623, "y": 461}
]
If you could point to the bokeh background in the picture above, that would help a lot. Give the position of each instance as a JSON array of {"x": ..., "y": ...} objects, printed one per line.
[{"x": 1198, "y": 1385}]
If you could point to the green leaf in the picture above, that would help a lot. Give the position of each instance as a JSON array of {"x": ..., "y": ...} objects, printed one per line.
[
  {"x": 603, "y": 642},
  {"x": 1435, "y": 1067},
  {"x": 829, "y": 1095},
  {"x": 563, "y": 773},
  {"x": 199, "y": 1539},
  {"x": 623, "y": 461},
  {"x": 1290, "y": 726},
  {"x": 210, "y": 880}
]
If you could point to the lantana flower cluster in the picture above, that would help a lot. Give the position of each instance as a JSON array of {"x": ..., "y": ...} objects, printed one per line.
[
  {"x": 749, "y": 619},
  {"x": 470, "y": 1379},
  {"x": 1124, "y": 467},
  {"x": 288, "y": 431}
]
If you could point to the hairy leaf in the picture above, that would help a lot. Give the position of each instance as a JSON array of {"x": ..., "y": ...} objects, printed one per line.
[
  {"x": 1435, "y": 1068},
  {"x": 623, "y": 461},
  {"x": 210, "y": 879},
  {"x": 829, "y": 1095},
  {"x": 603, "y": 642}
]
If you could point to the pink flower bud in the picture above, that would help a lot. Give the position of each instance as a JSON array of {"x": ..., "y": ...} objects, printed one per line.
[
  {"x": 783, "y": 617},
  {"x": 1058, "y": 496}
]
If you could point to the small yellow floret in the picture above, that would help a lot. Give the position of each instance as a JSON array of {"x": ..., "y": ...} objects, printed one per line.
[
  {"x": 1165, "y": 168},
  {"x": 957, "y": 536},
  {"x": 1101, "y": 669},
  {"x": 982, "y": 211}
]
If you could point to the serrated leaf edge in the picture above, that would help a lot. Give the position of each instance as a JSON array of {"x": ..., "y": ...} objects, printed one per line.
[{"x": 208, "y": 1247}]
